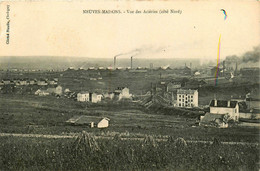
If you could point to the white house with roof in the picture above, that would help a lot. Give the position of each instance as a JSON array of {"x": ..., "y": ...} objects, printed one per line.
[
  {"x": 104, "y": 123},
  {"x": 95, "y": 97},
  {"x": 55, "y": 90},
  {"x": 109, "y": 95},
  {"x": 123, "y": 93},
  {"x": 42, "y": 92},
  {"x": 187, "y": 98},
  {"x": 225, "y": 107},
  {"x": 83, "y": 96}
]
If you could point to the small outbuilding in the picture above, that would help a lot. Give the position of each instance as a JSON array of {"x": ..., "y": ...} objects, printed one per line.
[
  {"x": 90, "y": 121},
  {"x": 213, "y": 120}
]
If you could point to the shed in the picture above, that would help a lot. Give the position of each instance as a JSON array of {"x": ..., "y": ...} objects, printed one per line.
[
  {"x": 91, "y": 121},
  {"x": 215, "y": 120}
]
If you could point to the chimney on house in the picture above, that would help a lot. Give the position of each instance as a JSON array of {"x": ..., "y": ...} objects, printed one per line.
[
  {"x": 228, "y": 103},
  {"x": 215, "y": 102}
]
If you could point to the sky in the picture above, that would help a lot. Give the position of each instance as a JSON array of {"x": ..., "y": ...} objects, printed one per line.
[{"x": 47, "y": 28}]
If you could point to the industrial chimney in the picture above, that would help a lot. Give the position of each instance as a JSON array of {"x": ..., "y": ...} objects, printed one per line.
[
  {"x": 223, "y": 68},
  {"x": 115, "y": 62},
  {"x": 131, "y": 62}
]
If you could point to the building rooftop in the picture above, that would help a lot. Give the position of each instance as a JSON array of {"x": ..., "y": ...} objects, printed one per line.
[
  {"x": 81, "y": 120},
  {"x": 223, "y": 103},
  {"x": 184, "y": 91},
  {"x": 84, "y": 92},
  {"x": 211, "y": 117}
]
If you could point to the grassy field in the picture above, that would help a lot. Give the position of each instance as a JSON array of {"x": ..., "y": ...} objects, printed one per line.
[
  {"x": 87, "y": 153},
  {"x": 30, "y": 114},
  {"x": 48, "y": 115}
]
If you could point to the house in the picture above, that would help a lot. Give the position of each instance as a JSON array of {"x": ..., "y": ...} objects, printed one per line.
[
  {"x": 55, "y": 90},
  {"x": 172, "y": 86},
  {"x": 67, "y": 90},
  {"x": 123, "y": 93},
  {"x": 160, "y": 87},
  {"x": 23, "y": 82},
  {"x": 109, "y": 95},
  {"x": 52, "y": 82},
  {"x": 250, "y": 72},
  {"x": 95, "y": 98},
  {"x": 83, "y": 96},
  {"x": 253, "y": 99},
  {"x": 42, "y": 92},
  {"x": 42, "y": 82},
  {"x": 194, "y": 83},
  {"x": 32, "y": 82},
  {"x": 213, "y": 120},
  {"x": 187, "y": 98},
  {"x": 91, "y": 121},
  {"x": 6, "y": 81},
  {"x": 225, "y": 107}
]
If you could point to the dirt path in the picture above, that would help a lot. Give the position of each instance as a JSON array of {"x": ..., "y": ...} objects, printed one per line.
[{"x": 110, "y": 137}]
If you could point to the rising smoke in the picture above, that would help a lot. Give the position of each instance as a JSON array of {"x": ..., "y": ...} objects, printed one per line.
[
  {"x": 146, "y": 50},
  {"x": 248, "y": 59}
]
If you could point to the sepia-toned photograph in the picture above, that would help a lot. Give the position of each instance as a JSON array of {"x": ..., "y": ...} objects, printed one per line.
[{"x": 130, "y": 85}]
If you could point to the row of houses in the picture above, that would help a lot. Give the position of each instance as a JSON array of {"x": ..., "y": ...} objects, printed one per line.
[
  {"x": 41, "y": 82},
  {"x": 55, "y": 90},
  {"x": 119, "y": 93}
]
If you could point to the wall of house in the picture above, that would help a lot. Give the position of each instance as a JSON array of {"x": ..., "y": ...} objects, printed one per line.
[
  {"x": 124, "y": 94},
  {"x": 233, "y": 112},
  {"x": 96, "y": 98},
  {"x": 82, "y": 97},
  {"x": 103, "y": 123},
  {"x": 58, "y": 90},
  {"x": 172, "y": 87},
  {"x": 253, "y": 104}
]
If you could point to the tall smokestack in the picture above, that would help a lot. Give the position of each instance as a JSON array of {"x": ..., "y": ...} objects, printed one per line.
[
  {"x": 131, "y": 62},
  {"x": 115, "y": 62},
  {"x": 236, "y": 69},
  {"x": 223, "y": 68}
]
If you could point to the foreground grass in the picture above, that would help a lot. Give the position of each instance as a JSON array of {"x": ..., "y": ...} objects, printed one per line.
[{"x": 86, "y": 153}]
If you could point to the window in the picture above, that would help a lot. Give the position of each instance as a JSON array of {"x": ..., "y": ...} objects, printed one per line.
[
  {"x": 183, "y": 100},
  {"x": 191, "y": 100},
  {"x": 179, "y": 104},
  {"x": 180, "y": 96},
  {"x": 191, "y": 96},
  {"x": 180, "y": 100},
  {"x": 183, "y": 96}
]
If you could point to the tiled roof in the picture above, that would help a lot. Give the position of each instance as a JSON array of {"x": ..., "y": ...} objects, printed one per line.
[
  {"x": 83, "y": 92},
  {"x": 211, "y": 117},
  {"x": 183, "y": 91},
  {"x": 223, "y": 103},
  {"x": 81, "y": 120}
]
